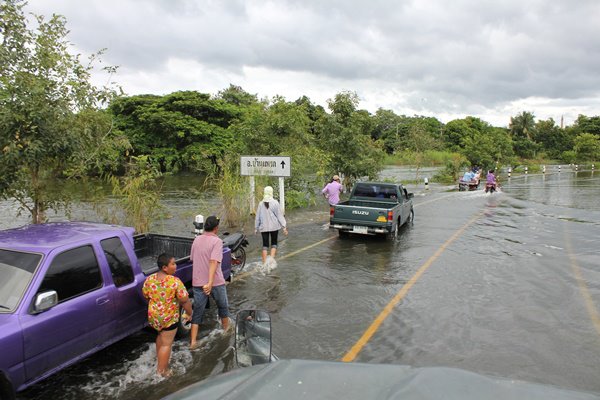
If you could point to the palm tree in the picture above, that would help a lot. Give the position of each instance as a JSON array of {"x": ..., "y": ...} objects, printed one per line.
[{"x": 523, "y": 125}]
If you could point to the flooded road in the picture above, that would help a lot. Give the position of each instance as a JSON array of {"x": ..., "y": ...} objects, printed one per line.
[{"x": 505, "y": 285}]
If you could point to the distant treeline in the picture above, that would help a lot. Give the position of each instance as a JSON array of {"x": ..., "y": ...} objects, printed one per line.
[{"x": 189, "y": 130}]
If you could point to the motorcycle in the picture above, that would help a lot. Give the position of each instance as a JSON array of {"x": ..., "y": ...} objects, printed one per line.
[
  {"x": 473, "y": 184},
  {"x": 234, "y": 241},
  {"x": 490, "y": 187},
  {"x": 470, "y": 185}
]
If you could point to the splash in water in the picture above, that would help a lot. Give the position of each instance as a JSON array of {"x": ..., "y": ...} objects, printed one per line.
[
  {"x": 138, "y": 372},
  {"x": 269, "y": 265},
  {"x": 259, "y": 267}
]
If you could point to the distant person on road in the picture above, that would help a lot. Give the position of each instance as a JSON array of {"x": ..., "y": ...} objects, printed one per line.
[
  {"x": 468, "y": 176},
  {"x": 165, "y": 293},
  {"x": 332, "y": 191},
  {"x": 269, "y": 220},
  {"x": 207, "y": 276}
]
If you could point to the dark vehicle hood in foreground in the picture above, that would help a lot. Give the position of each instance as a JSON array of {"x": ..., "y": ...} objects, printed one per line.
[{"x": 303, "y": 379}]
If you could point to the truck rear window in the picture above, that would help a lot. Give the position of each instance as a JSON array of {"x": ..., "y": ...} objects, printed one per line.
[
  {"x": 16, "y": 271},
  {"x": 375, "y": 191}
]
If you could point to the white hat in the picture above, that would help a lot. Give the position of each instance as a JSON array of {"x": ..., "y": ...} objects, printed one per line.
[{"x": 268, "y": 194}]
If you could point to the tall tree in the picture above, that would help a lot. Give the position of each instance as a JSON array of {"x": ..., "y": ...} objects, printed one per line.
[
  {"x": 552, "y": 138},
  {"x": 181, "y": 130},
  {"x": 345, "y": 135},
  {"x": 587, "y": 147},
  {"x": 51, "y": 124},
  {"x": 278, "y": 128},
  {"x": 237, "y": 96},
  {"x": 585, "y": 124},
  {"x": 387, "y": 129},
  {"x": 522, "y": 130}
]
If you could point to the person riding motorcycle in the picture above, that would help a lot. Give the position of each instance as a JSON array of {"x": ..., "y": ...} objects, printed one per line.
[{"x": 490, "y": 181}]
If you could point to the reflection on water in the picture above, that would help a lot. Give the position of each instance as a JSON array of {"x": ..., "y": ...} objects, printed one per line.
[
  {"x": 566, "y": 189},
  {"x": 182, "y": 196}
]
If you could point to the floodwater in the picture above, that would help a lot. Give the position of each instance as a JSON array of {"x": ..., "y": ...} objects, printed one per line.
[{"x": 508, "y": 286}]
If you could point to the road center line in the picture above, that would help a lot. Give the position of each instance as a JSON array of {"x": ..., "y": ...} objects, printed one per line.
[
  {"x": 293, "y": 253},
  {"x": 585, "y": 293},
  {"x": 353, "y": 352}
]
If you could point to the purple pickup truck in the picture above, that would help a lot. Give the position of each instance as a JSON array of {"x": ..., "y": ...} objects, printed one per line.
[{"x": 69, "y": 289}]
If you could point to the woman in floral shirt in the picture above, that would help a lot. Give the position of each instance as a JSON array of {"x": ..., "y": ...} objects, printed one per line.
[{"x": 165, "y": 292}]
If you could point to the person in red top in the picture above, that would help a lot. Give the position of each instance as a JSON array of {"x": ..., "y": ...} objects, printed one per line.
[
  {"x": 165, "y": 293},
  {"x": 207, "y": 276}
]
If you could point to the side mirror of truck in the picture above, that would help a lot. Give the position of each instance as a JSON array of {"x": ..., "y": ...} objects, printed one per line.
[
  {"x": 253, "y": 338},
  {"x": 44, "y": 301}
]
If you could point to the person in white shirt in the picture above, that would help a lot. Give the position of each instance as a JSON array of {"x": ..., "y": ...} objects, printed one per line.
[{"x": 269, "y": 220}]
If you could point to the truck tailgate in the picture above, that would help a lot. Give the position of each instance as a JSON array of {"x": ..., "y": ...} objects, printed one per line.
[{"x": 360, "y": 215}]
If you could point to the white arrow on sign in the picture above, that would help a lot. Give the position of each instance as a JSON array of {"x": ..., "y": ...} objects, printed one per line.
[{"x": 265, "y": 165}]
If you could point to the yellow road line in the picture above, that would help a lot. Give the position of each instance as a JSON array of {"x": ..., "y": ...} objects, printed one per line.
[
  {"x": 585, "y": 293},
  {"x": 293, "y": 253},
  {"x": 246, "y": 273},
  {"x": 353, "y": 352}
]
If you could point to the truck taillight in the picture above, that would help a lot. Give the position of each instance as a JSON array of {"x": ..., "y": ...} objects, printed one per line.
[
  {"x": 331, "y": 211},
  {"x": 390, "y": 216}
]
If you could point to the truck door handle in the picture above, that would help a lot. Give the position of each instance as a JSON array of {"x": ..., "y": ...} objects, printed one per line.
[{"x": 102, "y": 300}]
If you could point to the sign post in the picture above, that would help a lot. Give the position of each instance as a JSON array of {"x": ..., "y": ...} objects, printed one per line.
[{"x": 279, "y": 166}]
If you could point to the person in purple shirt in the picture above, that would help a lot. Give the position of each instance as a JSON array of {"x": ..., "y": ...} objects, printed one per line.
[
  {"x": 207, "y": 276},
  {"x": 332, "y": 191},
  {"x": 491, "y": 178}
]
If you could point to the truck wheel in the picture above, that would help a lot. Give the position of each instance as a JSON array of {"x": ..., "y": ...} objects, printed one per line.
[
  {"x": 394, "y": 233},
  {"x": 184, "y": 328},
  {"x": 411, "y": 217}
]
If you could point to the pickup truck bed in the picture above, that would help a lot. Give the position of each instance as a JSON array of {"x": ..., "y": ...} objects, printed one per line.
[{"x": 148, "y": 246}]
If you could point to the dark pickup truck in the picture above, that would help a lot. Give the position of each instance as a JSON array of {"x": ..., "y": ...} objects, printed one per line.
[
  {"x": 68, "y": 290},
  {"x": 373, "y": 208}
]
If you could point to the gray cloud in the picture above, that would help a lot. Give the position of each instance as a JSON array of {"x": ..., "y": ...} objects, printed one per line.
[{"x": 460, "y": 56}]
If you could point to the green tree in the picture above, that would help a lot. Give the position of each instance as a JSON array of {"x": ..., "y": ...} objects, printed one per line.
[
  {"x": 138, "y": 194},
  {"x": 419, "y": 141},
  {"x": 553, "y": 140},
  {"x": 455, "y": 133},
  {"x": 522, "y": 130},
  {"x": 181, "y": 130},
  {"x": 51, "y": 124},
  {"x": 273, "y": 129},
  {"x": 386, "y": 127},
  {"x": 345, "y": 135},
  {"x": 585, "y": 124},
  {"x": 237, "y": 96},
  {"x": 313, "y": 111},
  {"x": 489, "y": 147},
  {"x": 478, "y": 141},
  {"x": 587, "y": 147}
]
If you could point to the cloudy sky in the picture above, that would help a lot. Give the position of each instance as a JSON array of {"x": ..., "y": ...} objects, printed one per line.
[{"x": 446, "y": 59}]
